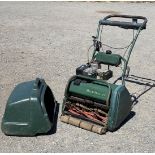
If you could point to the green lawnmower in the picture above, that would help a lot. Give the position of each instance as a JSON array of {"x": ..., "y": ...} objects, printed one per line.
[{"x": 90, "y": 101}]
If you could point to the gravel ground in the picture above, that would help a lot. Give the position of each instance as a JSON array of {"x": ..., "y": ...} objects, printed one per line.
[{"x": 49, "y": 40}]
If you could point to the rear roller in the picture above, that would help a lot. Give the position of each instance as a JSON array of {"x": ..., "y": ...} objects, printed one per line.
[{"x": 83, "y": 124}]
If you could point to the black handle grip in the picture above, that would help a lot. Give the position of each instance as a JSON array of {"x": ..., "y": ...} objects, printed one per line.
[{"x": 126, "y": 25}]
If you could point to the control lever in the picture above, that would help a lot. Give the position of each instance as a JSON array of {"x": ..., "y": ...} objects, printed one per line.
[{"x": 97, "y": 44}]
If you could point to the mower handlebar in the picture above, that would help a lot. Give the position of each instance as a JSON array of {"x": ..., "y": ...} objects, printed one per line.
[{"x": 123, "y": 24}]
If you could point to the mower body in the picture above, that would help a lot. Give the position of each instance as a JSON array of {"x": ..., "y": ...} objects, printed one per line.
[
  {"x": 110, "y": 101},
  {"x": 91, "y": 102}
]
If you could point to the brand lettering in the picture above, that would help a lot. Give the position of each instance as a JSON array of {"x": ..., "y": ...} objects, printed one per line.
[{"x": 95, "y": 92}]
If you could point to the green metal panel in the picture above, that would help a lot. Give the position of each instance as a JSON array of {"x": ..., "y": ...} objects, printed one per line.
[
  {"x": 120, "y": 107},
  {"x": 119, "y": 101},
  {"x": 90, "y": 90},
  {"x": 109, "y": 59},
  {"x": 93, "y": 88},
  {"x": 30, "y": 109}
]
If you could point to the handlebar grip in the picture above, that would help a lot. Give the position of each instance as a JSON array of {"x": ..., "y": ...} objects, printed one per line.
[{"x": 125, "y": 25}]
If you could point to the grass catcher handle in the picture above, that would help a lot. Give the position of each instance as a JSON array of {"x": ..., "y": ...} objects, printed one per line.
[{"x": 126, "y": 25}]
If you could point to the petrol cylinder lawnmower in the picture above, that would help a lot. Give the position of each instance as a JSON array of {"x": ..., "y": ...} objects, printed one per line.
[{"x": 91, "y": 102}]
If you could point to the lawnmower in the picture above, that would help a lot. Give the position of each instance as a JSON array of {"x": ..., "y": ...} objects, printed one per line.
[{"x": 92, "y": 102}]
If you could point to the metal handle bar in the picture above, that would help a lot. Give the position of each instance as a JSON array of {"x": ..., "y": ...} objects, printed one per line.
[{"x": 126, "y": 25}]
